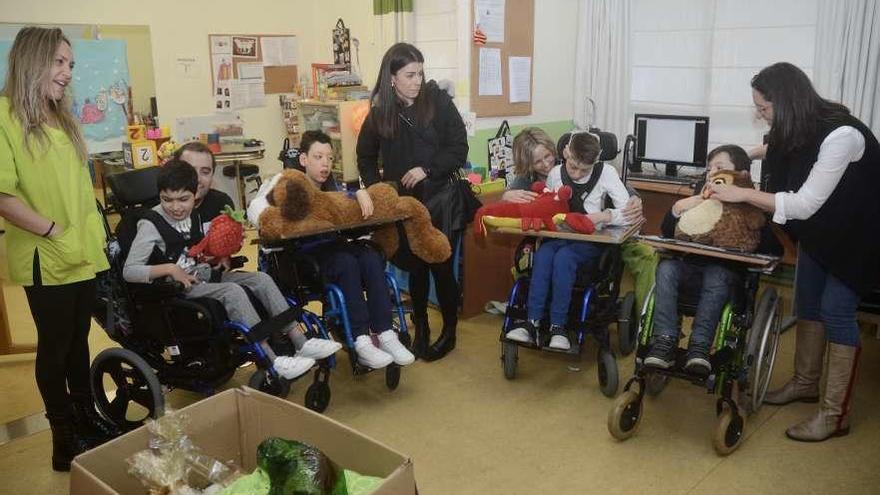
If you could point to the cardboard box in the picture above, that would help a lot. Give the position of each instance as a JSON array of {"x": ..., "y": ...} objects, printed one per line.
[{"x": 229, "y": 426}]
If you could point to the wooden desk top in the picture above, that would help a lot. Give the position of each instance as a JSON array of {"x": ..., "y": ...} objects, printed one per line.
[
  {"x": 762, "y": 261},
  {"x": 356, "y": 228},
  {"x": 607, "y": 235},
  {"x": 662, "y": 187}
]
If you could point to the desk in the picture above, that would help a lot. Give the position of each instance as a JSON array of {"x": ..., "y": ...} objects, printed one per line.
[{"x": 235, "y": 154}]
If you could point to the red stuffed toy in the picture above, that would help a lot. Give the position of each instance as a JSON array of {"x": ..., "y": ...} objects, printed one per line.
[
  {"x": 224, "y": 237},
  {"x": 537, "y": 214}
]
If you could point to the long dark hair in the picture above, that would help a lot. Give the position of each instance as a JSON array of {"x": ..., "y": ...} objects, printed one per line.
[
  {"x": 386, "y": 104},
  {"x": 797, "y": 107}
]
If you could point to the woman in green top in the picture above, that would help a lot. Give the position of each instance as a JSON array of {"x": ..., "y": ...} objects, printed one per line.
[{"x": 54, "y": 236}]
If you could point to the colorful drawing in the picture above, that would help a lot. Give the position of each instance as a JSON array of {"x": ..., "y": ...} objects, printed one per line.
[{"x": 90, "y": 113}]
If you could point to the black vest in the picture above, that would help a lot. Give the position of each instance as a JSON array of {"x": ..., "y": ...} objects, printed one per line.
[
  {"x": 579, "y": 192},
  {"x": 175, "y": 242},
  {"x": 842, "y": 235}
]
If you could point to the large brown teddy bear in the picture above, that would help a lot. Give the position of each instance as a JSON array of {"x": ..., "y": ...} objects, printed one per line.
[
  {"x": 296, "y": 205},
  {"x": 726, "y": 225}
]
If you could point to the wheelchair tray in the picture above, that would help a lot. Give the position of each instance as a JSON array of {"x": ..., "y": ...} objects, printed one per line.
[
  {"x": 606, "y": 235},
  {"x": 760, "y": 261},
  {"x": 356, "y": 229}
]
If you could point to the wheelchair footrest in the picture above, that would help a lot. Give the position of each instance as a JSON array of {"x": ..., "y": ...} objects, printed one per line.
[{"x": 273, "y": 326}]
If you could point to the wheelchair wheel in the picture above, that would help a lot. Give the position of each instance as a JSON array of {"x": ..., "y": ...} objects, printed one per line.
[
  {"x": 627, "y": 325},
  {"x": 392, "y": 376},
  {"x": 655, "y": 383},
  {"x": 508, "y": 359},
  {"x": 138, "y": 394},
  {"x": 763, "y": 343},
  {"x": 609, "y": 378},
  {"x": 318, "y": 396},
  {"x": 728, "y": 432},
  {"x": 264, "y": 381},
  {"x": 625, "y": 416}
]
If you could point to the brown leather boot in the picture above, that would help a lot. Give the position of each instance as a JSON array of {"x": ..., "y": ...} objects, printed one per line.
[
  {"x": 832, "y": 420},
  {"x": 809, "y": 350}
]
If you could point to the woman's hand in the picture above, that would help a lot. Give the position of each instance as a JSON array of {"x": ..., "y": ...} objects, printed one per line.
[
  {"x": 632, "y": 211},
  {"x": 181, "y": 276},
  {"x": 728, "y": 194},
  {"x": 56, "y": 231},
  {"x": 413, "y": 177},
  {"x": 365, "y": 202},
  {"x": 519, "y": 196}
]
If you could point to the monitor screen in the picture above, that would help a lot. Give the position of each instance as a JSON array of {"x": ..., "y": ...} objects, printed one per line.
[{"x": 671, "y": 139}]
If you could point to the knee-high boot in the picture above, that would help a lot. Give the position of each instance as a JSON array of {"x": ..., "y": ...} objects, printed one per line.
[
  {"x": 832, "y": 420},
  {"x": 422, "y": 337},
  {"x": 809, "y": 352},
  {"x": 446, "y": 342},
  {"x": 90, "y": 426},
  {"x": 66, "y": 443}
]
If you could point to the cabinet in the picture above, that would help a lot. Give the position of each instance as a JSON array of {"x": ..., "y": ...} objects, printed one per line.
[{"x": 341, "y": 120}]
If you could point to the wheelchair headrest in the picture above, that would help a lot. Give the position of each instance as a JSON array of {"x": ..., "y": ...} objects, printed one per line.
[
  {"x": 134, "y": 187},
  {"x": 607, "y": 143}
]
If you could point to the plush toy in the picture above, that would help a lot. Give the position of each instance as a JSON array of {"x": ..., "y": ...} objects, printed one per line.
[
  {"x": 726, "y": 225},
  {"x": 224, "y": 238},
  {"x": 296, "y": 205},
  {"x": 547, "y": 211}
]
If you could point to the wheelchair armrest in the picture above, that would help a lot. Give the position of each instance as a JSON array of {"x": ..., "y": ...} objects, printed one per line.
[
  {"x": 157, "y": 290},
  {"x": 237, "y": 262}
]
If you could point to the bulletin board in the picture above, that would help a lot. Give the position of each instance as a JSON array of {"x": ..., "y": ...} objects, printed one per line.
[
  {"x": 277, "y": 79},
  {"x": 519, "y": 28}
]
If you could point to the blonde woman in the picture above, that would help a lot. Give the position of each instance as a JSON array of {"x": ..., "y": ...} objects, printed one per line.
[
  {"x": 534, "y": 154},
  {"x": 54, "y": 235}
]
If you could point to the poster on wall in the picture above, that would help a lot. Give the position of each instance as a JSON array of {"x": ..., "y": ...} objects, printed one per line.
[{"x": 99, "y": 90}]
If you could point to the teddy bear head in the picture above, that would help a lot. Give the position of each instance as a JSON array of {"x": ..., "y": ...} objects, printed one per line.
[{"x": 294, "y": 194}]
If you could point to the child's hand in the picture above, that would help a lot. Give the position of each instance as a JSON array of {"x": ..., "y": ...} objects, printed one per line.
[
  {"x": 181, "y": 276},
  {"x": 365, "y": 202},
  {"x": 602, "y": 217},
  {"x": 683, "y": 205},
  {"x": 632, "y": 212}
]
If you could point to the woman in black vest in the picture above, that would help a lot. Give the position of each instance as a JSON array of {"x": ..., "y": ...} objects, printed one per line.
[
  {"x": 822, "y": 169},
  {"x": 417, "y": 131}
]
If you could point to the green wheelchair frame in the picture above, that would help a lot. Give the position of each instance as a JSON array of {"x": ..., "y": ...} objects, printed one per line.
[{"x": 745, "y": 346}]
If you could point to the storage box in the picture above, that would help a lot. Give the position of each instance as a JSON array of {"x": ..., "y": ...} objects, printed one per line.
[{"x": 230, "y": 426}]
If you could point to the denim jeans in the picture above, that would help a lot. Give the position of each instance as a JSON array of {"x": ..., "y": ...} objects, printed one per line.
[
  {"x": 820, "y": 296},
  {"x": 555, "y": 267},
  {"x": 710, "y": 285},
  {"x": 353, "y": 268}
]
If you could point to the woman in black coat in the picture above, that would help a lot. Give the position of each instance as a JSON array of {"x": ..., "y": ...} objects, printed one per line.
[{"x": 417, "y": 131}]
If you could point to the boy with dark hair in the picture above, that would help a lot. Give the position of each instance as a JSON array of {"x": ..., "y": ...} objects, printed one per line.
[
  {"x": 352, "y": 267},
  {"x": 159, "y": 250},
  {"x": 708, "y": 281}
]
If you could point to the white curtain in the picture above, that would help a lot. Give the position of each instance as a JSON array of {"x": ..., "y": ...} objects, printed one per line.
[
  {"x": 602, "y": 66},
  {"x": 393, "y": 27},
  {"x": 847, "y": 63}
]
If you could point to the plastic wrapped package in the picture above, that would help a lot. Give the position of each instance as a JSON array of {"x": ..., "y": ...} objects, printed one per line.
[{"x": 295, "y": 467}]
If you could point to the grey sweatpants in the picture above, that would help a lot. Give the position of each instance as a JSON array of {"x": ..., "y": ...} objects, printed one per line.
[{"x": 233, "y": 297}]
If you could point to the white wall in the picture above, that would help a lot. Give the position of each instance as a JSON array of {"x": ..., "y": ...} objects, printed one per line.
[{"x": 697, "y": 57}]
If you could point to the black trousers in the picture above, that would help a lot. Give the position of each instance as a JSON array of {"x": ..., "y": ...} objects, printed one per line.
[
  {"x": 448, "y": 293},
  {"x": 63, "y": 316}
]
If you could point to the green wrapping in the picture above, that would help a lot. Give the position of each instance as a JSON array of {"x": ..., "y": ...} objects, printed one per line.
[{"x": 295, "y": 468}]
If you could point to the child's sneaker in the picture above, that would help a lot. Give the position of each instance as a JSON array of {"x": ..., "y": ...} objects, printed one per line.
[
  {"x": 523, "y": 332},
  {"x": 559, "y": 338},
  {"x": 370, "y": 355},
  {"x": 319, "y": 349},
  {"x": 662, "y": 353},
  {"x": 698, "y": 360},
  {"x": 291, "y": 367},
  {"x": 389, "y": 343}
]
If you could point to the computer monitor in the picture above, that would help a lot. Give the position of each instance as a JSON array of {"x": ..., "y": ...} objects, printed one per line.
[{"x": 672, "y": 140}]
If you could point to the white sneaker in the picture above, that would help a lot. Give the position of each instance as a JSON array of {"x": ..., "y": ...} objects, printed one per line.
[
  {"x": 519, "y": 335},
  {"x": 560, "y": 342},
  {"x": 369, "y": 355},
  {"x": 319, "y": 349},
  {"x": 291, "y": 367},
  {"x": 389, "y": 343}
]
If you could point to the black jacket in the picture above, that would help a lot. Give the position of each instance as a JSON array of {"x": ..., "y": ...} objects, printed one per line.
[
  {"x": 842, "y": 236},
  {"x": 441, "y": 147}
]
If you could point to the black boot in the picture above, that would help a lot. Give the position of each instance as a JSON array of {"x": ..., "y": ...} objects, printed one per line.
[
  {"x": 422, "y": 337},
  {"x": 66, "y": 444},
  {"x": 90, "y": 426},
  {"x": 446, "y": 343}
]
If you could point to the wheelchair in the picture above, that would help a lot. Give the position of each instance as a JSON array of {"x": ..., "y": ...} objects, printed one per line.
[
  {"x": 594, "y": 307},
  {"x": 168, "y": 341},
  {"x": 744, "y": 352},
  {"x": 299, "y": 277}
]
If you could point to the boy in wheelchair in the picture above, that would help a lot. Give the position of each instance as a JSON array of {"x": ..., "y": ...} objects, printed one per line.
[
  {"x": 556, "y": 262},
  {"x": 159, "y": 250},
  {"x": 352, "y": 267},
  {"x": 708, "y": 283}
]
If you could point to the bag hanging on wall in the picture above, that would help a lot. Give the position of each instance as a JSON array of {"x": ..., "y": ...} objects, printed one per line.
[
  {"x": 500, "y": 152},
  {"x": 342, "y": 44},
  {"x": 453, "y": 205},
  {"x": 288, "y": 156}
]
